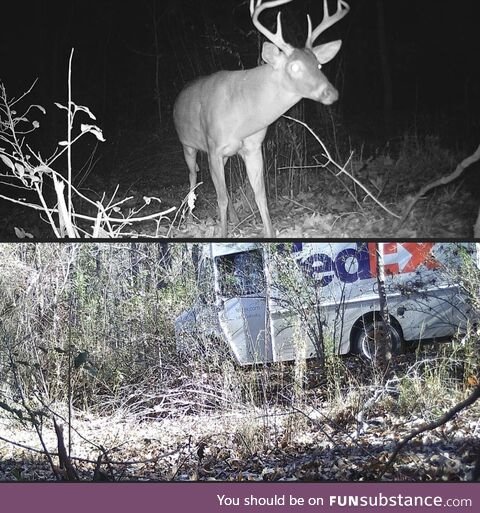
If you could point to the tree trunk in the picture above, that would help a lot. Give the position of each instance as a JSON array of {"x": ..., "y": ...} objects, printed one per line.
[{"x": 383, "y": 347}]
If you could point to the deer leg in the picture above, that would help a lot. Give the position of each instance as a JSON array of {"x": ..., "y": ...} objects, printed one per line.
[
  {"x": 190, "y": 155},
  {"x": 251, "y": 153},
  {"x": 218, "y": 176},
  {"x": 231, "y": 209}
]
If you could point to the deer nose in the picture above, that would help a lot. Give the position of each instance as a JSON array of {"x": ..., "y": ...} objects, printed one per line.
[{"x": 328, "y": 95}]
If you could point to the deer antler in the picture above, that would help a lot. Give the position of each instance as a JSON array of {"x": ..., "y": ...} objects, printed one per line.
[
  {"x": 277, "y": 38},
  {"x": 328, "y": 21}
]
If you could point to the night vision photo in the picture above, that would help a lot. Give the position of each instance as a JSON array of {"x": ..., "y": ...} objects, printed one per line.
[
  {"x": 239, "y": 118},
  {"x": 240, "y": 362}
]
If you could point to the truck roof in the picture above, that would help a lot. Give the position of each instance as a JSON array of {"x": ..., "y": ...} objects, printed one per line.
[{"x": 228, "y": 248}]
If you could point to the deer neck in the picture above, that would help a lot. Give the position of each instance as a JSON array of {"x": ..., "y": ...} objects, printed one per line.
[{"x": 265, "y": 94}]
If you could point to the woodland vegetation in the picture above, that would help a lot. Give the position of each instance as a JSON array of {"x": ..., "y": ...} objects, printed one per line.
[{"x": 92, "y": 386}]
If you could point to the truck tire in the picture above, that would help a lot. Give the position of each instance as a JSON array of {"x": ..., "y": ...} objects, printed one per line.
[{"x": 364, "y": 342}]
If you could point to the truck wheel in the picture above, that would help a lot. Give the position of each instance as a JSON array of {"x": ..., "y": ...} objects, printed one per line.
[{"x": 372, "y": 334}]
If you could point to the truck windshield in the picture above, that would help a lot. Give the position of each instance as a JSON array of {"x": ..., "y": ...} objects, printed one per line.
[{"x": 241, "y": 274}]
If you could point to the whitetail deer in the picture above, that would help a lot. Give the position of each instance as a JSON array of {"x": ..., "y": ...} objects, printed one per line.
[{"x": 229, "y": 112}]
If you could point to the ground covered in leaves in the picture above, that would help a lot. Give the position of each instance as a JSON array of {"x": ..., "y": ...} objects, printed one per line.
[
  {"x": 314, "y": 201},
  {"x": 308, "y": 439},
  {"x": 311, "y": 200}
]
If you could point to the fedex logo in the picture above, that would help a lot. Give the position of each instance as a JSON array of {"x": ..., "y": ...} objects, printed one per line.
[{"x": 358, "y": 260}]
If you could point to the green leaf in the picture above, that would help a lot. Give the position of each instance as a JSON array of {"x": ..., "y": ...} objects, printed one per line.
[
  {"x": 7, "y": 161},
  {"x": 93, "y": 129},
  {"x": 86, "y": 110},
  {"x": 60, "y": 106},
  {"x": 40, "y": 108},
  {"x": 80, "y": 359},
  {"x": 17, "y": 473}
]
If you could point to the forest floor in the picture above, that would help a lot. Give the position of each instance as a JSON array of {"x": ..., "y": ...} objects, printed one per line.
[
  {"x": 314, "y": 438},
  {"x": 310, "y": 201}
]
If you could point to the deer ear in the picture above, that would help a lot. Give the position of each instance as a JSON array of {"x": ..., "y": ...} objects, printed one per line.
[
  {"x": 325, "y": 53},
  {"x": 272, "y": 55}
]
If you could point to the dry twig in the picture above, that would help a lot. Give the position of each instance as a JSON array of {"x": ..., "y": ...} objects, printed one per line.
[
  {"x": 432, "y": 425},
  {"x": 443, "y": 181}
]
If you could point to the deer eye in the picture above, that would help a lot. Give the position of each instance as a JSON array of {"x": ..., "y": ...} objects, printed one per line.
[
  {"x": 319, "y": 66},
  {"x": 295, "y": 67}
]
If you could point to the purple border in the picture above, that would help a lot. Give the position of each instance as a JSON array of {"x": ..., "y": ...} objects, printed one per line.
[{"x": 202, "y": 497}]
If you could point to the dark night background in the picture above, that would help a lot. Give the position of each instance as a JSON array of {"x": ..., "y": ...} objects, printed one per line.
[{"x": 431, "y": 50}]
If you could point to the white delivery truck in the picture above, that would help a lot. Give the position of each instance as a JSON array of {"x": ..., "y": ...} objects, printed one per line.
[{"x": 243, "y": 306}]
